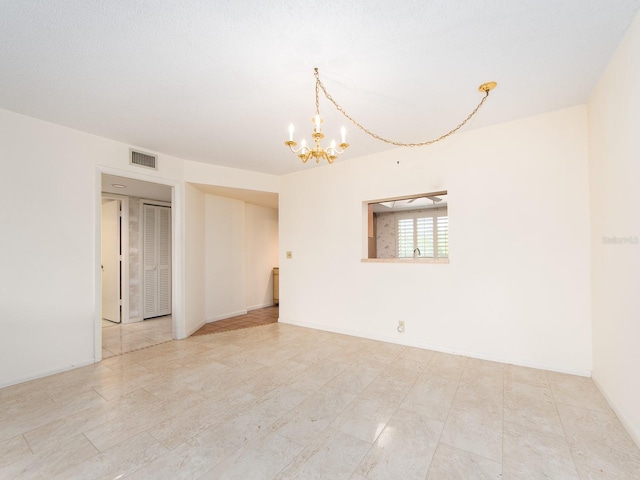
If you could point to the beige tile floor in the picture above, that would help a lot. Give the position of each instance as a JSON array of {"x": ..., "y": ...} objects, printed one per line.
[
  {"x": 285, "y": 402},
  {"x": 119, "y": 338}
]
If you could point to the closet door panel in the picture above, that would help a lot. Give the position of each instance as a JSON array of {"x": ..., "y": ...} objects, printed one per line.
[
  {"x": 157, "y": 260},
  {"x": 164, "y": 261}
]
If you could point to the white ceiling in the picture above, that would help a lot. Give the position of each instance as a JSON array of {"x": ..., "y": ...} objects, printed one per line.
[
  {"x": 220, "y": 81},
  {"x": 411, "y": 203},
  {"x": 154, "y": 191},
  {"x": 255, "y": 197},
  {"x": 135, "y": 188}
]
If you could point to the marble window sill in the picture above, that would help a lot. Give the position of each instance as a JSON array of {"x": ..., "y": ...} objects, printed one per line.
[{"x": 406, "y": 260}]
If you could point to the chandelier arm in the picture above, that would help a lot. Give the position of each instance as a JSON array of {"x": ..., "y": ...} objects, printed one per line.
[{"x": 378, "y": 137}]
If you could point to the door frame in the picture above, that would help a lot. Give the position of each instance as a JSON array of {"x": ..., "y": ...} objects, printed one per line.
[
  {"x": 143, "y": 202},
  {"x": 177, "y": 251},
  {"x": 124, "y": 242}
]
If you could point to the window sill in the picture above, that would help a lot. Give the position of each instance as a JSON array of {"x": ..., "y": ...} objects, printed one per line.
[{"x": 405, "y": 260}]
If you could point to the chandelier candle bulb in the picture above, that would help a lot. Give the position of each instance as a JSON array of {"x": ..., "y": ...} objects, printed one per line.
[
  {"x": 343, "y": 131},
  {"x": 291, "y": 132}
]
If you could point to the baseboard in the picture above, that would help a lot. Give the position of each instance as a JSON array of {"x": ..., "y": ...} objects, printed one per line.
[
  {"x": 438, "y": 348},
  {"x": 46, "y": 373},
  {"x": 258, "y": 307},
  {"x": 194, "y": 330},
  {"x": 133, "y": 320},
  {"x": 227, "y": 315},
  {"x": 632, "y": 430}
]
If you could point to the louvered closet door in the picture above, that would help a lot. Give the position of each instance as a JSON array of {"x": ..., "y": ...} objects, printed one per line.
[
  {"x": 157, "y": 260},
  {"x": 164, "y": 260}
]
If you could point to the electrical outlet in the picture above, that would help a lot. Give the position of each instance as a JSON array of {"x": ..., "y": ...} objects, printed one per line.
[
  {"x": 289, "y": 255},
  {"x": 401, "y": 326}
]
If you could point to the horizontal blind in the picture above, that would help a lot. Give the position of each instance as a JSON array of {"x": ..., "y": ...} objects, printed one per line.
[
  {"x": 443, "y": 237},
  {"x": 423, "y": 234},
  {"x": 405, "y": 237}
]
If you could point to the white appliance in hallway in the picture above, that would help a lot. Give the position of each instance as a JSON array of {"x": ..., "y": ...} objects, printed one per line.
[
  {"x": 157, "y": 260},
  {"x": 111, "y": 260}
]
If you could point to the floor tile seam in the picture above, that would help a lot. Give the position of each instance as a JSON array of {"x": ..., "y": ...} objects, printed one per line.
[
  {"x": 48, "y": 455},
  {"x": 336, "y": 413},
  {"x": 398, "y": 407},
  {"x": 562, "y": 424},
  {"x": 510, "y": 424},
  {"x": 166, "y": 446},
  {"x": 554, "y": 451},
  {"x": 142, "y": 348},
  {"x": 324, "y": 385},
  {"x": 293, "y": 407},
  {"x": 303, "y": 448},
  {"x": 98, "y": 451},
  {"x": 364, "y": 455},
  {"x": 341, "y": 390},
  {"x": 242, "y": 446},
  {"x": 493, "y": 460},
  {"x": 527, "y": 382},
  {"x": 88, "y": 407},
  {"x": 97, "y": 454},
  {"x": 446, "y": 420},
  {"x": 255, "y": 403},
  {"x": 132, "y": 435},
  {"x": 608, "y": 412},
  {"x": 433, "y": 454},
  {"x": 594, "y": 411},
  {"x": 34, "y": 425},
  {"x": 150, "y": 339},
  {"x": 27, "y": 441}
]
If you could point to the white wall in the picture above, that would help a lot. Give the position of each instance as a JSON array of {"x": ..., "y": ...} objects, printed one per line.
[
  {"x": 135, "y": 261},
  {"x": 49, "y": 250},
  {"x": 241, "y": 250},
  {"x": 261, "y": 246},
  {"x": 614, "y": 158},
  {"x": 224, "y": 258},
  {"x": 195, "y": 294},
  {"x": 517, "y": 288}
]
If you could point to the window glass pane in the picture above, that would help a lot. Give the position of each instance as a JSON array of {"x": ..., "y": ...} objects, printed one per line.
[
  {"x": 424, "y": 236},
  {"x": 405, "y": 237},
  {"x": 443, "y": 237}
]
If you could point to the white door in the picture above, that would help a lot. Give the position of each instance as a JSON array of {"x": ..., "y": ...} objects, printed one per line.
[
  {"x": 157, "y": 260},
  {"x": 110, "y": 260}
]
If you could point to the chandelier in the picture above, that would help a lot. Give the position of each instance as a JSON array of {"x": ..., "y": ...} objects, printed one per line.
[
  {"x": 331, "y": 153},
  {"x": 317, "y": 152}
]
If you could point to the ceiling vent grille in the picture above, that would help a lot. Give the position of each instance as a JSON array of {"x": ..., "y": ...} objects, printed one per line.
[{"x": 143, "y": 159}]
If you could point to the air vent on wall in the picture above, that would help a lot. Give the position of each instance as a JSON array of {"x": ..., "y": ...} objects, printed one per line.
[{"x": 143, "y": 159}]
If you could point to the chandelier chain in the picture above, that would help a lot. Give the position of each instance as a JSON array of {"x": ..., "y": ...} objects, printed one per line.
[{"x": 320, "y": 85}]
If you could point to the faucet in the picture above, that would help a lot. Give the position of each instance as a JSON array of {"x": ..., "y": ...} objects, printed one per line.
[{"x": 414, "y": 252}]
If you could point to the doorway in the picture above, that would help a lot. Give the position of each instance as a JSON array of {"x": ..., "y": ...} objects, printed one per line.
[
  {"x": 111, "y": 259},
  {"x": 126, "y": 324}
]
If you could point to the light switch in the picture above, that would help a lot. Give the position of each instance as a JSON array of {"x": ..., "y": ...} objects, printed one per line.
[{"x": 289, "y": 255}]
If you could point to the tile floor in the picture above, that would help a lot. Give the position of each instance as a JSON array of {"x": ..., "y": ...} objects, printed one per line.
[
  {"x": 285, "y": 402},
  {"x": 119, "y": 338}
]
